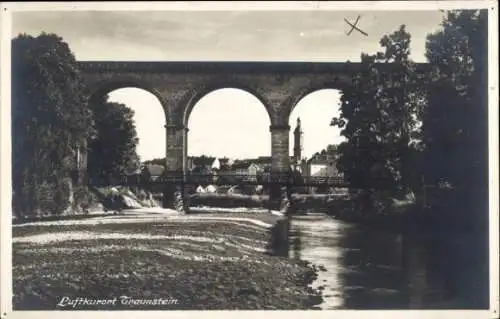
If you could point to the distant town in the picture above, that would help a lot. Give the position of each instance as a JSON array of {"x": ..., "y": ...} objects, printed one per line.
[{"x": 322, "y": 163}]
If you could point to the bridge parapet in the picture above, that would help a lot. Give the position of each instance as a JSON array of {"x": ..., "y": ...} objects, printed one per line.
[{"x": 179, "y": 178}]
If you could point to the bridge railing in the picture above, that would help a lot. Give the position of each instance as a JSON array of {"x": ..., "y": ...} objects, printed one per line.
[{"x": 222, "y": 179}]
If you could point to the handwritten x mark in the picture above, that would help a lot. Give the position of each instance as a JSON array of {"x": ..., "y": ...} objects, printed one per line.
[{"x": 354, "y": 27}]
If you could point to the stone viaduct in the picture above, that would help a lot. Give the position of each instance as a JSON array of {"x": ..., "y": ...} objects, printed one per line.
[{"x": 180, "y": 85}]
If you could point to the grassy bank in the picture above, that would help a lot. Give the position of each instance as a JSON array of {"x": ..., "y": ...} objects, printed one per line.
[{"x": 203, "y": 263}]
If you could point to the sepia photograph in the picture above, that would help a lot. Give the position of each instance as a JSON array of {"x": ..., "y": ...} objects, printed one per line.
[{"x": 319, "y": 156}]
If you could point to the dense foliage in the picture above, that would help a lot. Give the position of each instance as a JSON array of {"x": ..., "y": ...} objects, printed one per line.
[
  {"x": 378, "y": 117},
  {"x": 50, "y": 122},
  {"x": 54, "y": 125},
  {"x": 455, "y": 123},
  {"x": 405, "y": 126},
  {"x": 113, "y": 153}
]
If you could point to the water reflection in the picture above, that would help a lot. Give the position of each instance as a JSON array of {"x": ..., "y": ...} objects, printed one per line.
[{"x": 377, "y": 269}]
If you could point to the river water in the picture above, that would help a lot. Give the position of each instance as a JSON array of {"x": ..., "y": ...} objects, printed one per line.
[{"x": 363, "y": 268}]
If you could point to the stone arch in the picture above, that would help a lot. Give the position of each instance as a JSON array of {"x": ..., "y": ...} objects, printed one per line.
[
  {"x": 106, "y": 86},
  {"x": 103, "y": 87},
  {"x": 302, "y": 92},
  {"x": 198, "y": 94}
]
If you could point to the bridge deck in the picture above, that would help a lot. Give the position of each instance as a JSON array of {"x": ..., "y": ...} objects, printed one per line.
[
  {"x": 293, "y": 67},
  {"x": 228, "y": 179}
]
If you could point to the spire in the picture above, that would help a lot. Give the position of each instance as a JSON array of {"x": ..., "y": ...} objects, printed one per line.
[
  {"x": 298, "y": 128},
  {"x": 297, "y": 148}
]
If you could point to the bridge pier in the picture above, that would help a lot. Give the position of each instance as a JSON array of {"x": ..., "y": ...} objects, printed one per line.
[
  {"x": 275, "y": 196},
  {"x": 168, "y": 195},
  {"x": 174, "y": 197},
  {"x": 280, "y": 165},
  {"x": 173, "y": 191},
  {"x": 279, "y": 197}
]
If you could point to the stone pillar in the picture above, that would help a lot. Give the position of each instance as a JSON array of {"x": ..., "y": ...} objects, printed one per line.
[
  {"x": 185, "y": 150},
  {"x": 185, "y": 169},
  {"x": 174, "y": 176},
  {"x": 280, "y": 164}
]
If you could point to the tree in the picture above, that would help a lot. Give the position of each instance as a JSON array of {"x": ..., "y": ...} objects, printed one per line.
[
  {"x": 113, "y": 152},
  {"x": 156, "y": 161},
  {"x": 379, "y": 113},
  {"x": 203, "y": 160},
  {"x": 50, "y": 120},
  {"x": 455, "y": 139},
  {"x": 455, "y": 126}
]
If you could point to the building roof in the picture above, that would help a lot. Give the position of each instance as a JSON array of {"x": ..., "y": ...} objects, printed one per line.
[
  {"x": 241, "y": 164},
  {"x": 216, "y": 163}
]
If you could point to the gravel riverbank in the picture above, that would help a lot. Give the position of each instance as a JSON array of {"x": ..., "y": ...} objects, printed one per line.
[{"x": 201, "y": 262}]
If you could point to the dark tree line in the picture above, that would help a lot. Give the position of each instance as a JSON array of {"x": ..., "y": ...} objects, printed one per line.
[
  {"x": 455, "y": 121},
  {"x": 50, "y": 120},
  {"x": 407, "y": 129},
  {"x": 53, "y": 127},
  {"x": 378, "y": 120}
]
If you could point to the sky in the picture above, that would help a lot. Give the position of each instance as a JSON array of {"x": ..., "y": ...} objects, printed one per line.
[{"x": 227, "y": 122}]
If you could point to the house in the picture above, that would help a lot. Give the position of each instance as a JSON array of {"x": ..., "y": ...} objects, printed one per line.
[
  {"x": 320, "y": 167},
  {"x": 208, "y": 189},
  {"x": 322, "y": 163},
  {"x": 225, "y": 163},
  {"x": 245, "y": 169},
  {"x": 211, "y": 189},
  {"x": 215, "y": 165}
]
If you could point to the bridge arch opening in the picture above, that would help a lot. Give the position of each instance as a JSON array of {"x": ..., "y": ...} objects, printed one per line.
[
  {"x": 312, "y": 139},
  {"x": 315, "y": 111},
  {"x": 219, "y": 89},
  {"x": 228, "y": 122},
  {"x": 228, "y": 135},
  {"x": 148, "y": 117}
]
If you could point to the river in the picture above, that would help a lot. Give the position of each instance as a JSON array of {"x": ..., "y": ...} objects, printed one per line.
[{"x": 364, "y": 268}]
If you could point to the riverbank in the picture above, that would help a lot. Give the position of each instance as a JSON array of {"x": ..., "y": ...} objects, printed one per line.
[
  {"x": 397, "y": 216},
  {"x": 446, "y": 246},
  {"x": 203, "y": 262}
]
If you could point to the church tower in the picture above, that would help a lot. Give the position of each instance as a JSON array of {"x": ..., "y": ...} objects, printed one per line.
[{"x": 297, "y": 146}]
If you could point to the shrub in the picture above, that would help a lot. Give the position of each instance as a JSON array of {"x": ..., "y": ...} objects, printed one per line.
[{"x": 84, "y": 198}]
